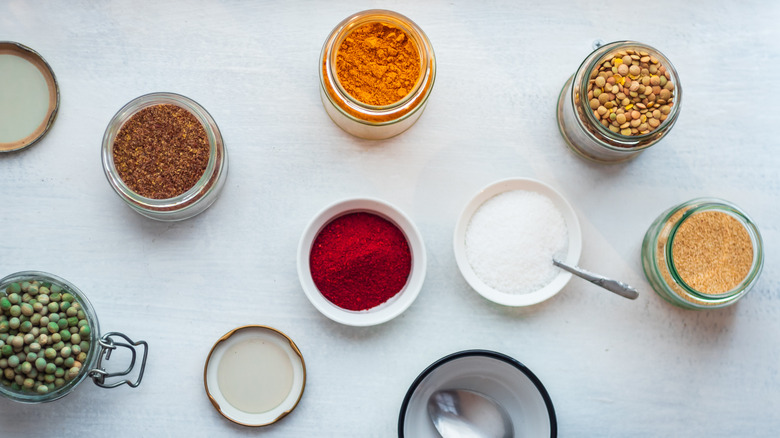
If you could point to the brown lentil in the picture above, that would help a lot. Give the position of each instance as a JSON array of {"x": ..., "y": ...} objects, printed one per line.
[
  {"x": 161, "y": 151},
  {"x": 633, "y": 84},
  {"x": 712, "y": 252}
]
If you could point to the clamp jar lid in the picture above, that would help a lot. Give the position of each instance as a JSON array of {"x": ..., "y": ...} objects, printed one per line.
[
  {"x": 182, "y": 166},
  {"x": 702, "y": 254},
  {"x": 624, "y": 98},
  {"x": 50, "y": 340},
  {"x": 254, "y": 375},
  {"x": 377, "y": 70},
  {"x": 29, "y": 96}
]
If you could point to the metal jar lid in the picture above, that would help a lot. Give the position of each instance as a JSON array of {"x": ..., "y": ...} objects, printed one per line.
[{"x": 18, "y": 95}]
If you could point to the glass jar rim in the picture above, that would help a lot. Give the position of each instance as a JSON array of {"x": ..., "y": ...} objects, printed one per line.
[
  {"x": 357, "y": 110},
  {"x": 189, "y": 197},
  {"x": 94, "y": 325},
  {"x": 700, "y": 205},
  {"x": 584, "y": 103},
  {"x": 351, "y": 25}
]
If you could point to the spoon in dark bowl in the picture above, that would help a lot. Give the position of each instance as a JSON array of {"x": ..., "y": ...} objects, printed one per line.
[{"x": 462, "y": 413}]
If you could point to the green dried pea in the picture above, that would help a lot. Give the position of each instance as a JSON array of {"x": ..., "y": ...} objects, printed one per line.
[
  {"x": 53, "y": 327},
  {"x": 27, "y": 309},
  {"x": 41, "y": 334}
]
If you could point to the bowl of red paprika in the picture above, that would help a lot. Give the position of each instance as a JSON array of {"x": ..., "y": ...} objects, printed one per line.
[{"x": 361, "y": 261}]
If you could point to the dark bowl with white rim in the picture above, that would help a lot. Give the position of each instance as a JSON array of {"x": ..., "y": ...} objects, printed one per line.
[{"x": 494, "y": 374}]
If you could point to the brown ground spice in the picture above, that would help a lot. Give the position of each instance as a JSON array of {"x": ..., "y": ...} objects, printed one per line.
[
  {"x": 712, "y": 251},
  {"x": 161, "y": 151},
  {"x": 378, "y": 64}
]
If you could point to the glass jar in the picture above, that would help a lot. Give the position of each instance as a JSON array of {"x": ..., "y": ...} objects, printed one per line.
[
  {"x": 99, "y": 351},
  {"x": 583, "y": 132},
  {"x": 201, "y": 195},
  {"x": 369, "y": 121},
  {"x": 658, "y": 261}
]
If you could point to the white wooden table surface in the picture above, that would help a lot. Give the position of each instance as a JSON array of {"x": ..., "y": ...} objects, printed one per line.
[{"x": 613, "y": 367}]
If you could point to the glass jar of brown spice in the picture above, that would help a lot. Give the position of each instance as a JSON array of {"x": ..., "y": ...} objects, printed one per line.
[
  {"x": 163, "y": 154},
  {"x": 702, "y": 254}
]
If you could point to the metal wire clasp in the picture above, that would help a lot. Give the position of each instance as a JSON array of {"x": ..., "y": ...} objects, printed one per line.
[{"x": 107, "y": 345}]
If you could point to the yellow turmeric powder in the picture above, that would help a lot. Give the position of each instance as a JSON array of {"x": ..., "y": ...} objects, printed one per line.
[{"x": 378, "y": 64}]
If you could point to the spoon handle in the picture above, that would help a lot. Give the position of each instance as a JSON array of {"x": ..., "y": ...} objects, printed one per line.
[{"x": 609, "y": 284}]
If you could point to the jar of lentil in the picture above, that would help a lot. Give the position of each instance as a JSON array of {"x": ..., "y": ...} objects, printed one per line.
[
  {"x": 50, "y": 340},
  {"x": 702, "y": 254},
  {"x": 163, "y": 154},
  {"x": 377, "y": 70},
  {"x": 624, "y": 98}
]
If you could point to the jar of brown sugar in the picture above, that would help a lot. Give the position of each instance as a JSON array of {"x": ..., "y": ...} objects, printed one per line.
[
  {"x": 703, "y": 254},
  {"x": 624, "y": 98},
  {"x": 164, "y": 156},
  {"x": 377, "y": 70}
]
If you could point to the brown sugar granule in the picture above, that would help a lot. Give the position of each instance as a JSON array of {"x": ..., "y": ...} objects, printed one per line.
[
  {"x": 712, "y": 251},
  {"x": 378, "y": 64},
  {"x": 161, "y": 151}
]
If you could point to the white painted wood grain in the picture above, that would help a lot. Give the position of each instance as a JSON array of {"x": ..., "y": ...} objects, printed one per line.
[{"x": 613, "y": 367}]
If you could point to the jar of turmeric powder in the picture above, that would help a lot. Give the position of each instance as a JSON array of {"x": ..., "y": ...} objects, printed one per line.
[
  {"x": 377, "y": 70},
  {"x": 702, "y": 254},
  {"x": 624, "y": 98}
]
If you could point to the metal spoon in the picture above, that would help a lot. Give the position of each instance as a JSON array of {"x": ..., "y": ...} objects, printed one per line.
[
  {"x": 609, "y": 284},
  {"x": 462, "y": 413}
]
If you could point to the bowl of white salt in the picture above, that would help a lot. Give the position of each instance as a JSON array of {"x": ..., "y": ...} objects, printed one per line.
[{"x": 507, "y": 236}]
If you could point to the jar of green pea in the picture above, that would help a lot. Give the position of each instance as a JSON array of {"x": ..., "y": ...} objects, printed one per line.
[{"x": 50, "y": 340}]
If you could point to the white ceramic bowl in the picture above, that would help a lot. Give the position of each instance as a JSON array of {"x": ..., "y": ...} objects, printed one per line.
[
  {"x": 572, "y": 256},
  {"x": 392, "y": 307},
  {"x": 499, "y": 376},
  {"x": 266, "y": 335}
]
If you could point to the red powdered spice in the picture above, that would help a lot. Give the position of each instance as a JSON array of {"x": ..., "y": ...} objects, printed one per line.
[{"x": 359, "y": 261}]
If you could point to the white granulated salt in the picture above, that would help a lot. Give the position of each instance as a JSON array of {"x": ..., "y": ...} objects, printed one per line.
[{"x": 512, "y": 239}]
